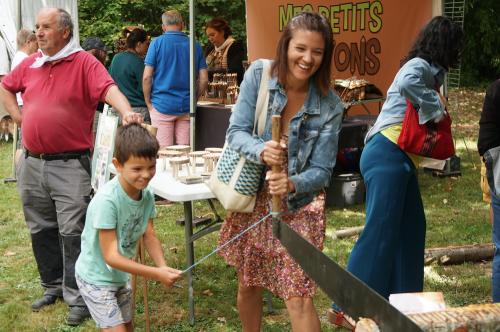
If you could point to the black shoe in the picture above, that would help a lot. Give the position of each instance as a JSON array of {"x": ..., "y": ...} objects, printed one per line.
[
  {"x": 77, "y": 315},
  {"x": 44, "y": 301}
]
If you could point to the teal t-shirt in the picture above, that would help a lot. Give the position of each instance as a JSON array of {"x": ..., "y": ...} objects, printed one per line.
[
  {"x": 112, "y": 208},
  {"x": 127, "y": 69}
]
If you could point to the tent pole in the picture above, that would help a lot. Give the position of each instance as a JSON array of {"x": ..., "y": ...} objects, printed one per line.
[
  {"x": 19, "y": 15},
  {"x": 192, "y": 113},
  {"x": 192, "y": 76}
]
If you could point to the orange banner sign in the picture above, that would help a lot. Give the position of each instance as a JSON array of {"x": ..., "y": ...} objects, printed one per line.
[{"x": 371, "y": 36}]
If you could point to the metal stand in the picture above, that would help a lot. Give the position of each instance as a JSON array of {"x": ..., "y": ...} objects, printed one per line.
[
  {"x": 188, "y": 231},
  {"x": 200, "y": 221},
  {"x": 451, "y": 168}
]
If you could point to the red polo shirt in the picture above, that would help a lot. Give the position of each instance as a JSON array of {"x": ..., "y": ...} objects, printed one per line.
[{"x": 60, "y": 99}]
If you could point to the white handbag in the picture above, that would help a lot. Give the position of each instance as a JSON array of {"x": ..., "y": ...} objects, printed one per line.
[{"x": 235, "y": 181}]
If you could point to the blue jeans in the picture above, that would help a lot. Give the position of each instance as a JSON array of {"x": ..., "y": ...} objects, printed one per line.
[{"x": 495, "y": 205}]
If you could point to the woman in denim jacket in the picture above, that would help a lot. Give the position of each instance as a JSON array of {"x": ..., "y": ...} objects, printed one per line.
[
  {"x": 389, "y": 255},
  {"x": 310, "y": 123}
]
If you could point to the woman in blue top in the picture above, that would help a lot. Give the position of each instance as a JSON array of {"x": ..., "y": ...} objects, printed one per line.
[
  {"x": 389, "y": 254},
  {"x": 310, "y": 123}
]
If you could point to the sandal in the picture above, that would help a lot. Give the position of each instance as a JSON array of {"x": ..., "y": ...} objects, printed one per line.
[{"x": 338, "y": 318}]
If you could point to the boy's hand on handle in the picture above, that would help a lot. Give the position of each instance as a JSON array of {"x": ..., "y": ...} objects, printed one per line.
[
  {"x": 273, "y": 153},
  {"x": 167, "y": 275}
]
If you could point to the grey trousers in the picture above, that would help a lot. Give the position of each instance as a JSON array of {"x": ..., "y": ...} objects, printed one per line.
[{"x": 55, "y": 195}]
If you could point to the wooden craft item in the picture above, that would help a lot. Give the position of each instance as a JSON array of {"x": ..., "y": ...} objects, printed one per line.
[
  {"x": 169, "y": 153},
  {"x": 223, "y": 88},
  {"x": 191, "y": 179},
  {"x": 165, "y": 156},
  {"x": 354, "y": 89},
  {"x": 198, "y": 153},
  {"x": 210, "y": 161},
  {"x": 195, "y": 156},
  {"x": 176, "y": 164},
  {"x": 184, "y": 149},
  {"x": 213, "y": 149}
]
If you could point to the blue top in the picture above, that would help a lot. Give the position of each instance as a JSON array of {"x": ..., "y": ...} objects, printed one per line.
[
  {"x": 417, "y": 80},
  {"x": 312, "y": 137},
  {"x": 169, "y": 56},
  {"x": 112, "y": 208}
]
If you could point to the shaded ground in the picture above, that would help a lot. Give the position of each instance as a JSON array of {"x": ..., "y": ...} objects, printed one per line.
[{"x": 465, "y": 108}]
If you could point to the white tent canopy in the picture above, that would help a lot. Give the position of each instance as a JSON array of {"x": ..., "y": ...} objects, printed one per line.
[{"x": 16, "y": 14}]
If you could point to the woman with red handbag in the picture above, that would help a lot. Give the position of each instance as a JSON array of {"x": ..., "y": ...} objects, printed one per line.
[{"x": 389, "y": 254}]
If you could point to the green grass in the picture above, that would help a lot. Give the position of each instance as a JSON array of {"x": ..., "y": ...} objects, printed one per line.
[{"x": 455, "y": 215}]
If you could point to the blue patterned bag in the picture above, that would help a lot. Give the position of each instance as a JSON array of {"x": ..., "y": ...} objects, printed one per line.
[{"x": 235, "y": 181}]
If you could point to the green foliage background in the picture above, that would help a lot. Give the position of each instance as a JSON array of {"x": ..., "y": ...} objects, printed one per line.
[
  {"x": 106, "y": 19},
  {"x": 481, "y": 58}
]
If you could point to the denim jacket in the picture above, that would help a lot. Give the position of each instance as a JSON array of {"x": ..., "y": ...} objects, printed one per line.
[
  {"x": 312, "y": 137},
  {"x": 417, "y": 80}
]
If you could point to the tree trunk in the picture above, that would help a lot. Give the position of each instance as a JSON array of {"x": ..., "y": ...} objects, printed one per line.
[
  {"x": 476, "y": 317},
  {"x": 473, "y": 318},
  {"x": 459, "y": 254}
]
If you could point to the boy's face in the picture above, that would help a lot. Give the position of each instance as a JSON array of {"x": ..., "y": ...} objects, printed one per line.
[{"x": 136, "y": 173}]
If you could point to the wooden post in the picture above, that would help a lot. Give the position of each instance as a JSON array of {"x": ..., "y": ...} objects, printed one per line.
[
  {"x": 134, "y": 290},
  {"x": 142, "y": 260}
]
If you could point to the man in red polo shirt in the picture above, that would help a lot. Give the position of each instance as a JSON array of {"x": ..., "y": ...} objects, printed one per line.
[{"x": 60, "y": 86}]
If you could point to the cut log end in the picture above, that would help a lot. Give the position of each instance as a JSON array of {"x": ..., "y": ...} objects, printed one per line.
[
  {"x": 476, "y": 317},
  {"x": 366, "y": 325}
]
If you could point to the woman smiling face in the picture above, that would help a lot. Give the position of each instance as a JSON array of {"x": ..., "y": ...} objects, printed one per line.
[
  {"x": 305, "y": 54},
  {"x": 215, "y": 36}
]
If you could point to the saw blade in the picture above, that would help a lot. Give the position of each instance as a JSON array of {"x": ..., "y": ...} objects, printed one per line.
[{"x": 347, "y": 291}]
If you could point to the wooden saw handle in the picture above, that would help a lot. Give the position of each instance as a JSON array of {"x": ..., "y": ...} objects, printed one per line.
[{"x": 276, "y": 131}]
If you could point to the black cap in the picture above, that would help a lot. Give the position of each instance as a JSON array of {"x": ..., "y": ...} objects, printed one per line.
[{"x": 94, "y": 43}]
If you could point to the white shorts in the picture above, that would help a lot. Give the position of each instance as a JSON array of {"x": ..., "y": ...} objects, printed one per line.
[{"x": 109, "y": 305}]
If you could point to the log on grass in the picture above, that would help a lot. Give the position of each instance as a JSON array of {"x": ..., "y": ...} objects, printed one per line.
[
  {"x": 473, "y": 318},
  {"x": 348, "y": 232},
  {"x": 459, "y": 254},
  {"x": 476, "y": 317}
]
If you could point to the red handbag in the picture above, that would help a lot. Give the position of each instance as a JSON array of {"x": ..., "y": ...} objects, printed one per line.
[{"x": 433, "y": 140}]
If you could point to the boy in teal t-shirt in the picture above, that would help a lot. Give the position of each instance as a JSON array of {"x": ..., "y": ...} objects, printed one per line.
[{"x": 117, "y": 217}]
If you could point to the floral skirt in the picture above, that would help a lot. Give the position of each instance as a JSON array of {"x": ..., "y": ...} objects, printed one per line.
[{"x": 260, "y": 258}]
